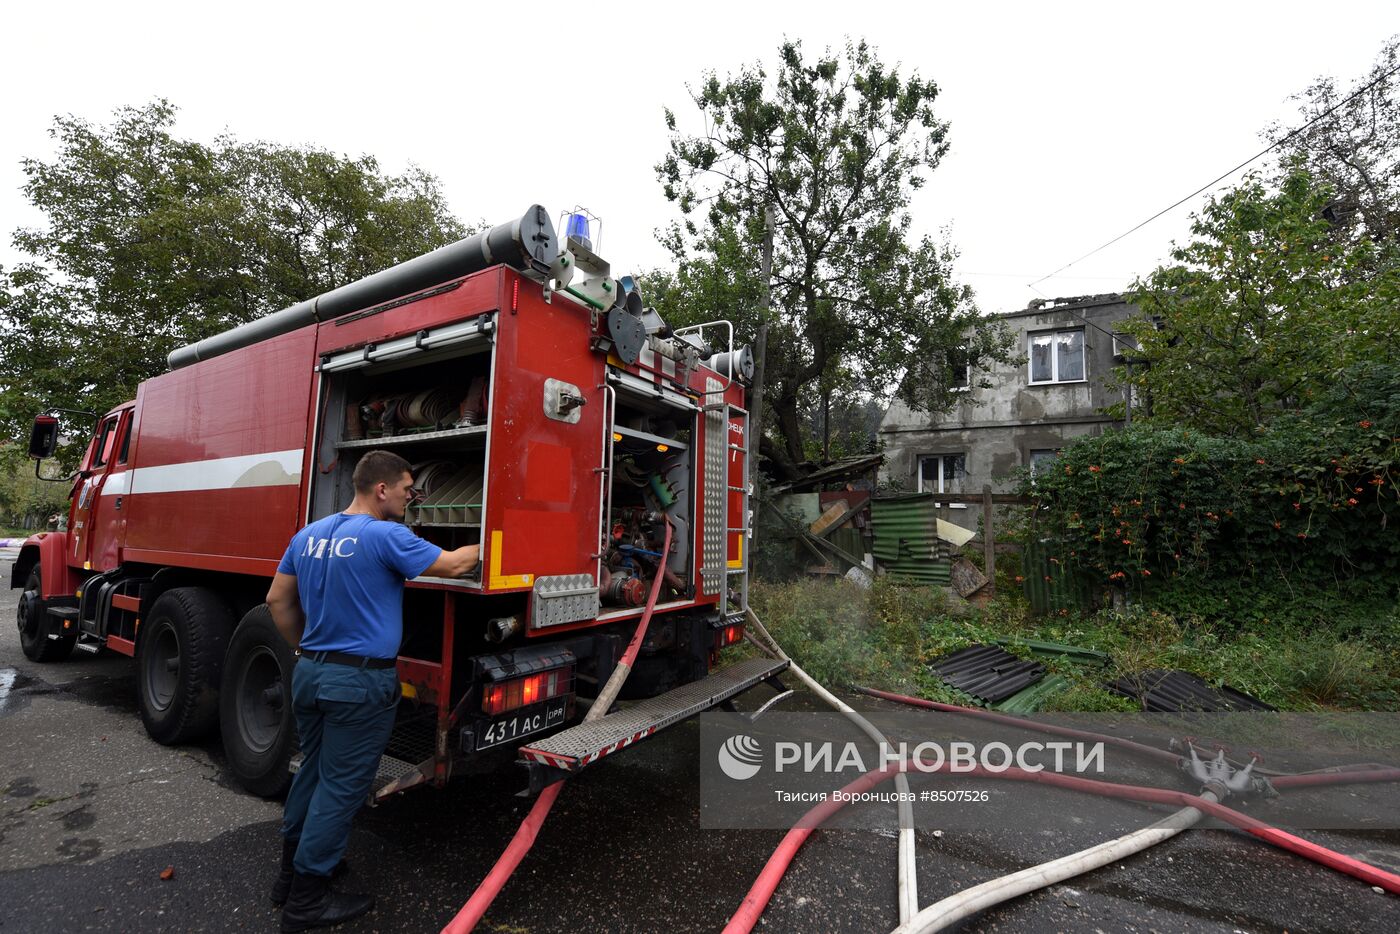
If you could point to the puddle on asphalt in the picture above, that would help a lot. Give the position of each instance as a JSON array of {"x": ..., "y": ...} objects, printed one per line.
[
  {"x": 117, "y": 693},
  {"x": 16, "y": 688},
  {"x": 14, "y": 693}
]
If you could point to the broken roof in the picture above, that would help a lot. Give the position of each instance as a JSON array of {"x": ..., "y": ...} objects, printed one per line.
[{"x": 838, "y": 471}]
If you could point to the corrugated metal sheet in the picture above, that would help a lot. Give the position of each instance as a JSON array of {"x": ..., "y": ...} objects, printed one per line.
[
  {"x": 1165, "y": 691},
  {"x": 986, "y": 672},
  {"x": 849, "y": 540},
  {"x": 906, "y": 541},
  {"x": 1031, "y": 699},
  {"x": 1059, "y": 650},
  {"x": 1051, "y": 586}
]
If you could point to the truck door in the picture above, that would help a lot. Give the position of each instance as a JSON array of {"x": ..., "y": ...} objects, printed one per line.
[{"x": 97, "y": 518}]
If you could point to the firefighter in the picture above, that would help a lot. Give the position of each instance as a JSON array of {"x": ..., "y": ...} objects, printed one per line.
[{"x": 338, "y": 598}]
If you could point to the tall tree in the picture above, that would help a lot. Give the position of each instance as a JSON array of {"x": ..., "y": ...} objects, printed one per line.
[
  {"x": 1354, "y": 146},
  {"x": 836, "y": 146},
  {"x": 1263, "y": 310},
  {"x": 153, "y": 241}
]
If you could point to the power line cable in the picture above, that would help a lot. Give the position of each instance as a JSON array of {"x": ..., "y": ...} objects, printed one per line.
[{"x": 1259, "y": 155}]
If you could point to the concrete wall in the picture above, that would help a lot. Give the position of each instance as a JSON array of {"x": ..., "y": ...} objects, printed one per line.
[{"x": 998, "y": 426}]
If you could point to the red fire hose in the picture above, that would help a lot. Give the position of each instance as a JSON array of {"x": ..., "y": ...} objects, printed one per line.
[
  {"x": 524, "y": 838},
  {"x": 1151, "y": 752},
  {"x": 1354, "y": 777},
  {"x": 1337, "y": 775},
  {"x": 767, "y": 882}
]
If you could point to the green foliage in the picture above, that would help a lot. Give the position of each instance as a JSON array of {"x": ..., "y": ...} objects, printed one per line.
[
  {"x": 884, "y": 638},
  {"x": 839, "y": 634},
  {"x": 1289, "y": 279},
  {"x": 26, "y": 502},
  {"x": 1352, "y": 142},
  {"x": 1295, "y": 523},
  {"x": 153, "y": 241},
  {"x": 835, "y": 147},
  {"x": 1262, "y": 310}
]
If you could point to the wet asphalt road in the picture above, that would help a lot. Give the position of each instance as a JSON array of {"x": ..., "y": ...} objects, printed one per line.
[{"x": 91, "y": 811}]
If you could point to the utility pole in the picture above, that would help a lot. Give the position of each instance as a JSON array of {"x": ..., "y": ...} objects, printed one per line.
[
  {"x": 826, "y": 424},
  {"x": 761, "y": 347},
  {"x": 1128, "y": 398}
]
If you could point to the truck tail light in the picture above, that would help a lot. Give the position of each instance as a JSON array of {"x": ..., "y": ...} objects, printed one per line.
[
  {"x": 729, "y": 635},
  {"x": 501, "y": 696}
]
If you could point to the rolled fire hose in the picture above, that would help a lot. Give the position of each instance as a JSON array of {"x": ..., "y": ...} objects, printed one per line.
[
  {"x": 908, "y": 878},
  {"x": 524, "y": 838}
]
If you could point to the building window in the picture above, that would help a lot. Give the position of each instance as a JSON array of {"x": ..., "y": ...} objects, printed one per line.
[
  {"x": 1057, "y": 356},
  {"x": 942, "y": 473},
  {"x": 1041, "y": 459},
  {"x": 1124, "y": 344},
  {"x": 958, "y": 369}
]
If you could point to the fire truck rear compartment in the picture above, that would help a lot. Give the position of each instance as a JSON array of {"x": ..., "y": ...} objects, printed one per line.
[
  {"x": 435, "y": 416},
  {"x": 651, "y": 482}
]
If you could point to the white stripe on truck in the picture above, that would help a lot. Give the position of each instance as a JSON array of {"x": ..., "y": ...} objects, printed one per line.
[{"x": 274, "y": 468}]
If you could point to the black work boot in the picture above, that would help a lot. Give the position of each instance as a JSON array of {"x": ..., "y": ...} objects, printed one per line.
[
  {"x": 283, "y": 883},
  {"x": 312, "y": 904}
]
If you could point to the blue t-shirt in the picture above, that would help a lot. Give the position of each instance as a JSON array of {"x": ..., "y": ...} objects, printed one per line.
[{"x": 350, "y": 571}]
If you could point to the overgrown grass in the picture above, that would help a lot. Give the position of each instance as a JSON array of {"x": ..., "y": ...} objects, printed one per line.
[{"x": 884, "y": 637}]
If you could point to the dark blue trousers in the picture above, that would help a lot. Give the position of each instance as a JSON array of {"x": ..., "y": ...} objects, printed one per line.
[{"x": 344, "y": 717}]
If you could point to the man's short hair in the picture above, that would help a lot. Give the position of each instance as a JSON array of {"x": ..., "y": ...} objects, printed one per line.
[{"x": 378, "y": 467}]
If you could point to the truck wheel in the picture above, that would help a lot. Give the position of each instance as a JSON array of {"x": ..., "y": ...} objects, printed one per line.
[
  {"x": 255, "y": 705},
  {"x": 35, "y": 625},
  {"x": 179, "y": 657}
]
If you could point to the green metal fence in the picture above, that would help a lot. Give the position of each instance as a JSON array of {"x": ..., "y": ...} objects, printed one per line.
[
  {"x": 906, "y": 538},
  {"x": 1053, "y": 583}
]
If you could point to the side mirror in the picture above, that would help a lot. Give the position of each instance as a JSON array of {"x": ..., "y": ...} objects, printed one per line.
[{"x": 43, "y": 440}]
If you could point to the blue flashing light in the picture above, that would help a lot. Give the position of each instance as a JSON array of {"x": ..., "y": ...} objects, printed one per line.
[{"x": 577, "y": 228}]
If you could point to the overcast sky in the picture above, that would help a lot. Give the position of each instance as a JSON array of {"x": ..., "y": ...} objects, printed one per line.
[{"x": 1071, "y": 122}]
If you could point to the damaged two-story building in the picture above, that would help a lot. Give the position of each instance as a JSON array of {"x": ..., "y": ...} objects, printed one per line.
[{"x": 1016, "y": 414}]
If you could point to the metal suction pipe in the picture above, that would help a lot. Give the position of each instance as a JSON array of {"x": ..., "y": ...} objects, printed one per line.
[{"x": 526, "y": 243}]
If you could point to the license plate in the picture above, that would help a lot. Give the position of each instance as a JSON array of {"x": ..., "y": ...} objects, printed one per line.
[{"x": 523, "y": 722}]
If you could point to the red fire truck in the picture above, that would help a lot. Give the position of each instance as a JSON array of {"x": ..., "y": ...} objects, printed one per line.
[{"x": 550, "y": 417}]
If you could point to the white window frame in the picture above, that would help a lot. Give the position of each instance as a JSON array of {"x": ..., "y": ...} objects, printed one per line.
[
  {"x": 1055, "y": 356},
  {"x": 1123, "y": 344},
  {"x": 942, "y": 478}
]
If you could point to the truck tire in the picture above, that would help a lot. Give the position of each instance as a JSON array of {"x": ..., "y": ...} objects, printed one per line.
[
  {"x": 35, "y": 625},
  {"x": 255, "y": 706},
  {"x": 179, "y": 658}
]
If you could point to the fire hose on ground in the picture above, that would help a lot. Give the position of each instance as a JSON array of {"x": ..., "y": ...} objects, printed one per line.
[
  {"x": 524, "y": 838},
  {"x": 908, "y": 878},
  {"x": 767, "y": 882},
  {"x": 1374, "y": 771},
  {"x": 978, "y": 898}
]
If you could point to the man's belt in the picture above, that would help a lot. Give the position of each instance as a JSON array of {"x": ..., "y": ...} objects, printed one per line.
[{"x": 354, "y": 661}]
